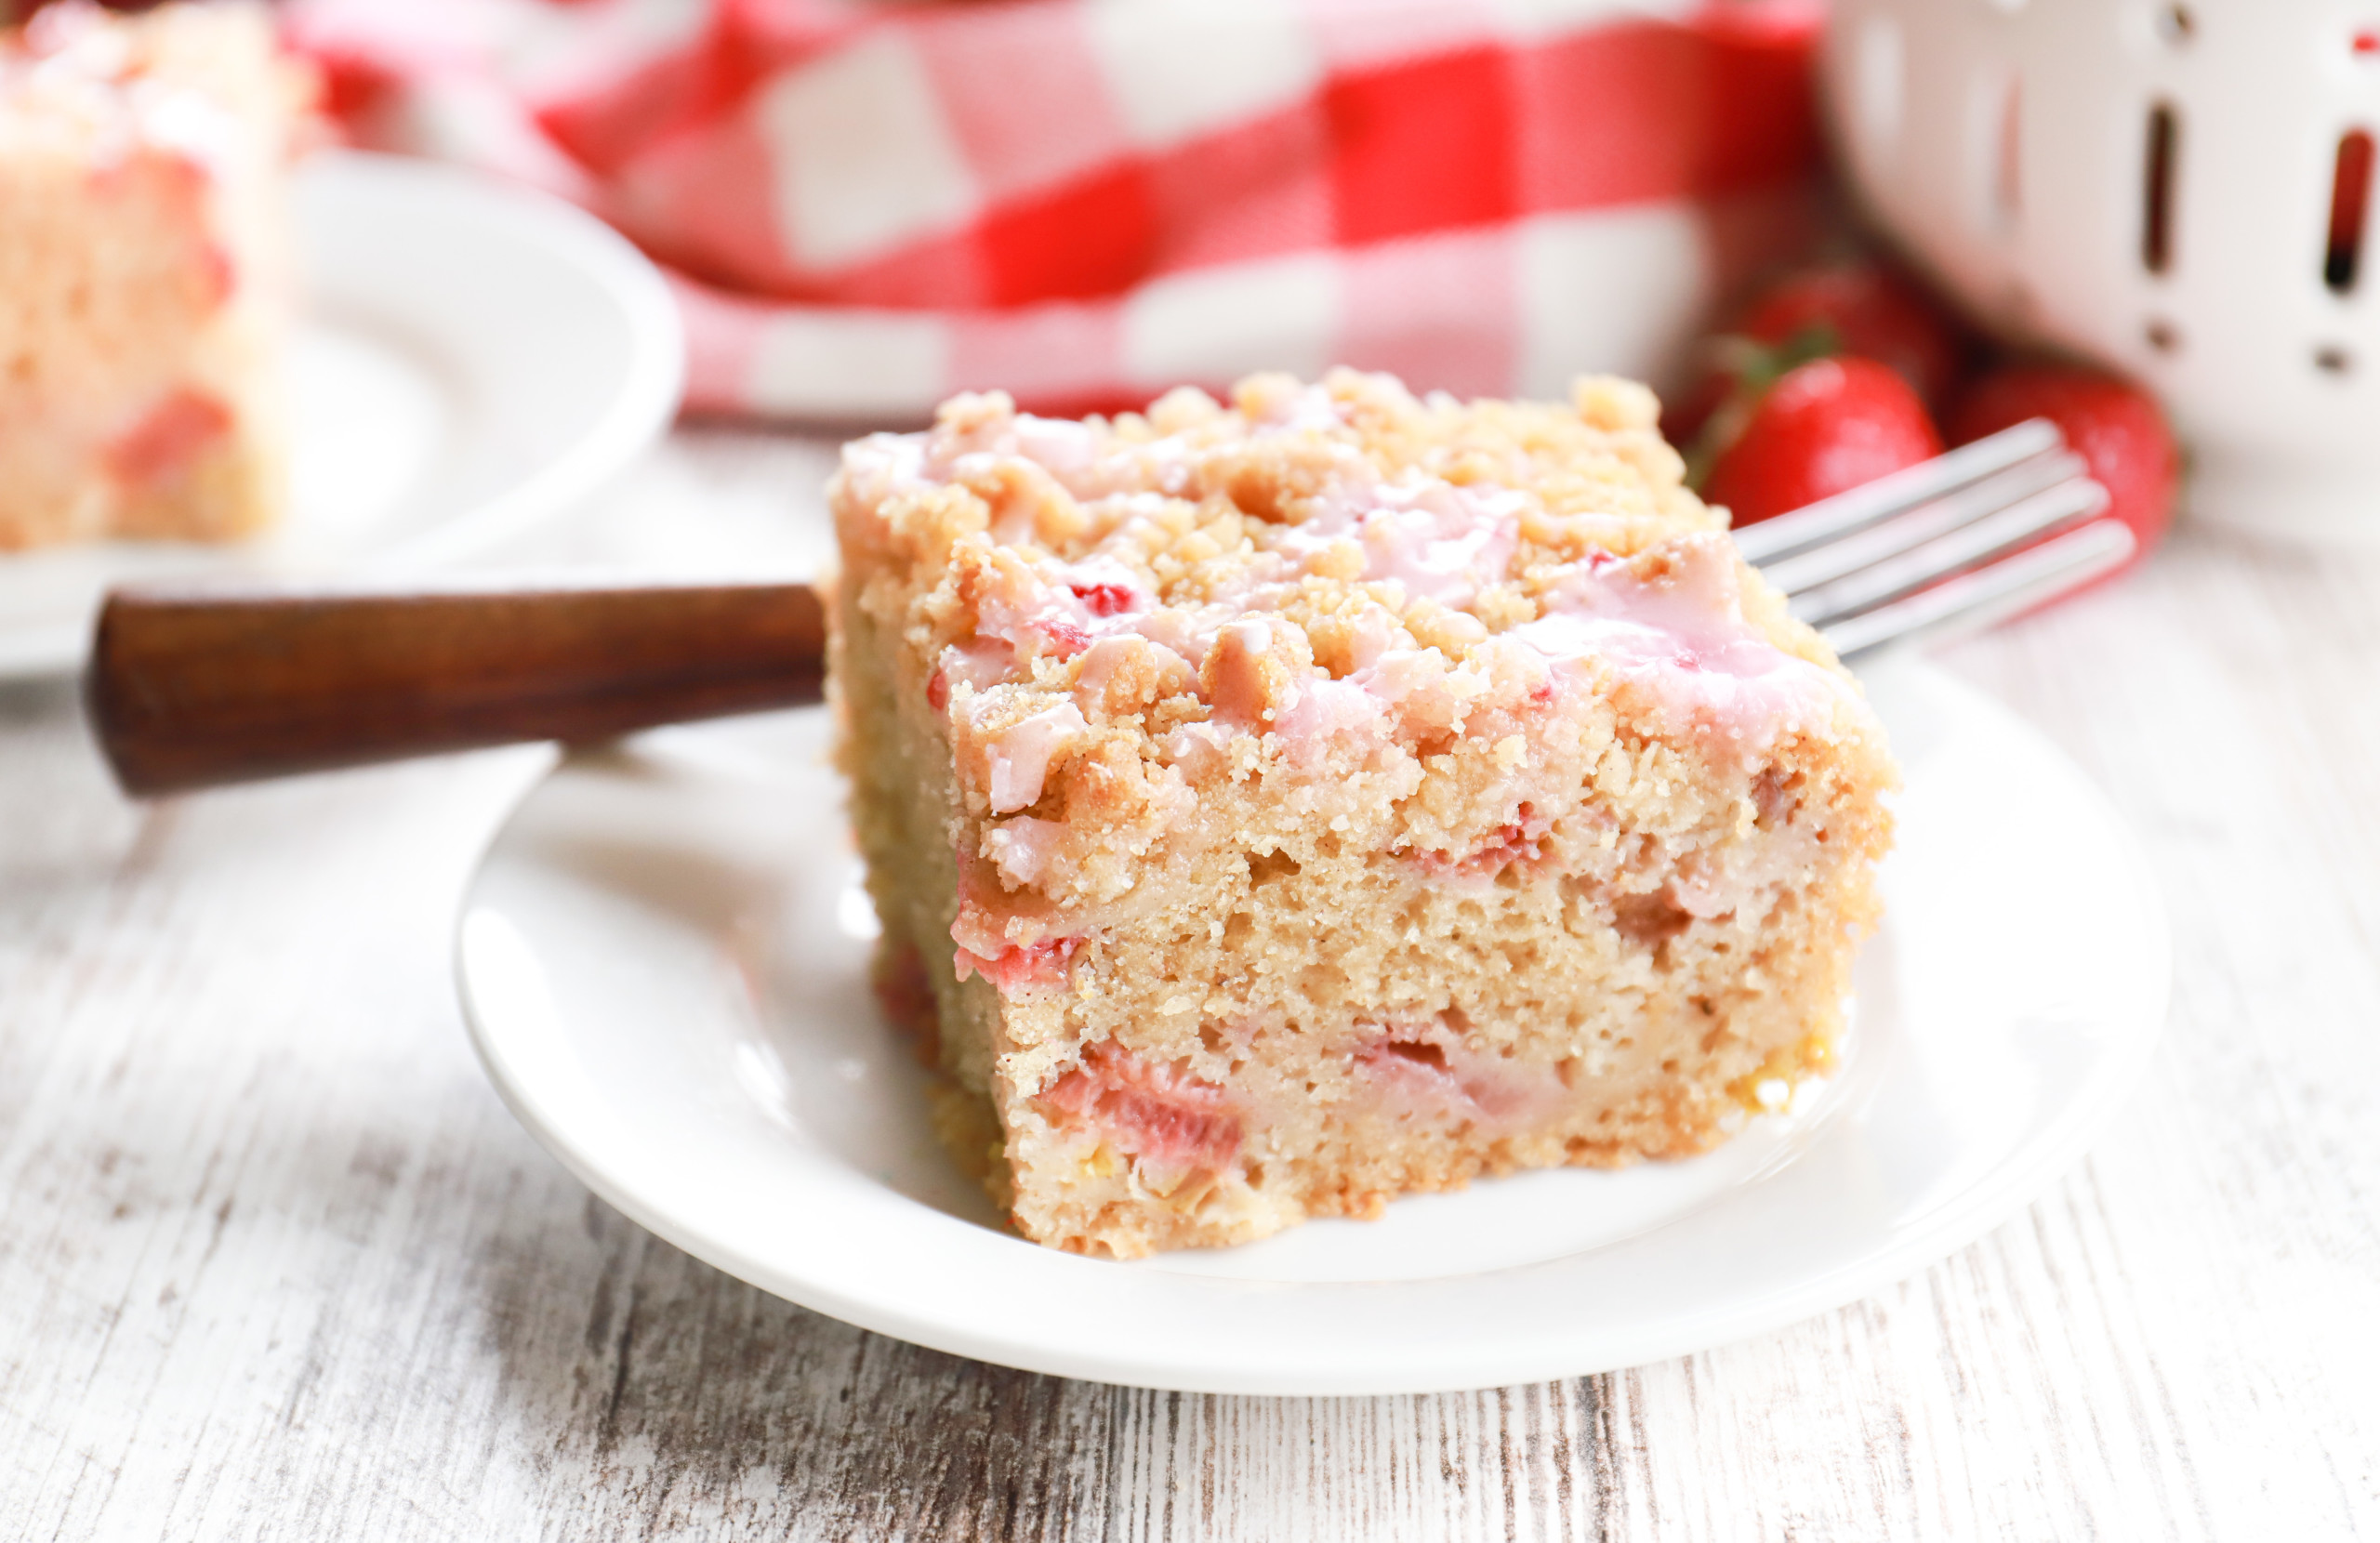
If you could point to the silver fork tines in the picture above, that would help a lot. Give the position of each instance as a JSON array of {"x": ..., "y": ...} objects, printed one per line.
[
  {"x": 1976, "y": 542},
  {"x": 1974, "y": 602},
  {"x": 1813, "y": 566},
  {"x": 1886, "y": 496},
  {"x": 1941, "y": 549}
]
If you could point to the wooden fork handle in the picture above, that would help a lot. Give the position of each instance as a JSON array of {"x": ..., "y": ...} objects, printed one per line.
[{"x": 194, "y": 687}]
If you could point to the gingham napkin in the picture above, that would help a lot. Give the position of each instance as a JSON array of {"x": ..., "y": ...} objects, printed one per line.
[{"x": 865, "y": 206}]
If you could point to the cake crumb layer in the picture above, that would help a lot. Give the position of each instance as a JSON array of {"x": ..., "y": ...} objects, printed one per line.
[{"x": 1293, "y": 802}]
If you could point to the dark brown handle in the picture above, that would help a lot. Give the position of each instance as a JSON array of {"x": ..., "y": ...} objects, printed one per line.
[{"x": 194, "y": 687}]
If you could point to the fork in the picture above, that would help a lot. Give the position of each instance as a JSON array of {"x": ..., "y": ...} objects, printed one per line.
[
  {"x": 1946, "y": 548},
  {"x": 197, "y": 686}
]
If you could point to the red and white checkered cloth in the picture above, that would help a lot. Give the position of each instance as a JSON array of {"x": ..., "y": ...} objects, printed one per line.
[{"x": 865, "y": 206}]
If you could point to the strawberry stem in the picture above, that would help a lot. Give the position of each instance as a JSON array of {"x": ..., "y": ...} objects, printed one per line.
[{"x": 1753, "y": 367}]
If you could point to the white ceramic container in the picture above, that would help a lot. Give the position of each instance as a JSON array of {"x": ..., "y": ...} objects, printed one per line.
[{"x": 2179, "y": 190}]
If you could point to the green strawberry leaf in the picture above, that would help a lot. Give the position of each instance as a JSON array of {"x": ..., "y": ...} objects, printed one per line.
[{"x": 1751, "y": 367}]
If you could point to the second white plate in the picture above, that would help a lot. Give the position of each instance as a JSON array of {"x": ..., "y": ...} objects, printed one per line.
[
  {"x": 472, "y": 358},
  {"x": 663, "y": 962}
]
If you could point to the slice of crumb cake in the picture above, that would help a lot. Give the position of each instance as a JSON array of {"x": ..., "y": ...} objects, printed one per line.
[
  {"x": 145, "y": 280},
  {"x": 1276, "y": 806}
]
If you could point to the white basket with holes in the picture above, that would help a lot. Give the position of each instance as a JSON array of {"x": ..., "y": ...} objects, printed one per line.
[{"x": 2178, "y": 191}]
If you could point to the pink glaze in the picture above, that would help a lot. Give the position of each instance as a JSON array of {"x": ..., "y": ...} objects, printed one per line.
[
  {"x": 1324, "y": 708},
  {"x": 1680, "y": 638},
  {"x": 1156, "y": 1112},
  {"x": 1398, "y": 673},
  {"x": 1061, "y": 445},
  {"x": 1058, "y": 609},
  {"x": 1187, "y": 632},
  {"x": 1016, "y": 599},
  {"x": 1441, "y": 542},
  {"x": 1684, "y": 639},
  {"x": 1080, "y": 458},
  {"x": 1020, "y": 755},
  {"x": 978, "y": 665},
  {"x": 1377, "y": 632},
  {"x": 1308, "y": 408},
  {"x": 1197, "y": 749},
  {"x": 1026, "y": 850},
  {"x": 1056, "y": 446},
  {"x": 1100, "y": 663}
]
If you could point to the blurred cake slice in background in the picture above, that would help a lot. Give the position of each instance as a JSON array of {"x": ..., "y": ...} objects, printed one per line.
[{"x": 145, "y": 273}]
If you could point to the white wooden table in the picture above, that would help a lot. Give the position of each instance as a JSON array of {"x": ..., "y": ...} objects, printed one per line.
[{"x": 275, "y": 1262}]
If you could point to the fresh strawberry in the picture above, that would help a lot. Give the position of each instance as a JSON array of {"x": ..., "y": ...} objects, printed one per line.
[
  {"x": 1873, "y": 312},
  {"x": 1856, "y": 308},
  {"x": 2113, "y": 424},
  {"x": 1826, "y": 427}
]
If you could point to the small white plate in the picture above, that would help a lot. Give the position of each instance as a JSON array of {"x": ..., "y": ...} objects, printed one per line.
[
  {"x": 472, "y": 358},
  {"x": 663, "y": 959}
]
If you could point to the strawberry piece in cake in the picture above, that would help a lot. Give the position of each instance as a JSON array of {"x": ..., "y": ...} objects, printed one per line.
[
  {"x": 1298, "y": 803},
  {"x": 144, "y": 276}
]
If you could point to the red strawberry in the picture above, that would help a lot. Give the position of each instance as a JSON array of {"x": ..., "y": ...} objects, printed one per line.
[
  {"x": 1860, "y": 307},
  {"x": 1826, "y": 427},
  {"x": 2113, "y": 424},
  {"x": 1872, "y": 311}
]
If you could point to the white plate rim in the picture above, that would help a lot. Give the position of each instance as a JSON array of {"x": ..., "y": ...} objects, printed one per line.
[
  {"x": 650, "y": 390},
  {"x": 1421, "y": 1368}
]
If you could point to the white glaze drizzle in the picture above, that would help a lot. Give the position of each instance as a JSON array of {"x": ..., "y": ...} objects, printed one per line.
[{"x": 1681, "y": 638}]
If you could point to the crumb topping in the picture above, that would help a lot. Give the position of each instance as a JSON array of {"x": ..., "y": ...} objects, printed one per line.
[
  {"x": 1337, "y": 585},
  {"x": 78, "y": 81}
]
